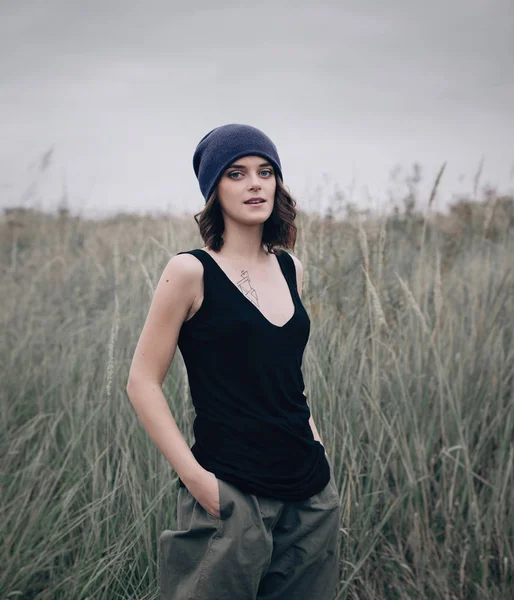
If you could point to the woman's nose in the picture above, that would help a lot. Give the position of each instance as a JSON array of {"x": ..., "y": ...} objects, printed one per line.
[{"x": 254, "y": 181}]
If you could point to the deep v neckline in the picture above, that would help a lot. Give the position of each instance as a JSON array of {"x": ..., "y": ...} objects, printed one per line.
[{"x": 249, "y": 301}]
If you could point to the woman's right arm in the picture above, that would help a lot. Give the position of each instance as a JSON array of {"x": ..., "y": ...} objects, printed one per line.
[{"x": 171, "y": 302}]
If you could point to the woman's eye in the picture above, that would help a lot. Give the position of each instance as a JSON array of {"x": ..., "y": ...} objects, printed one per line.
[{"x": 270, "y": 171}]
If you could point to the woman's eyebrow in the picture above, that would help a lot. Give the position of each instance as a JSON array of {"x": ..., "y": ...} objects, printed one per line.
[{"x": 243, "y": 167}]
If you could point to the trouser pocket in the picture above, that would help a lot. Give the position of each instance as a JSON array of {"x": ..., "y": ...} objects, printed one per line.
[
  {"x": 206, "y": 554},
  {"x": 188, "y": 506},
  {"x": 221, "y": 496},
  {"x": 184, "y": 552}
]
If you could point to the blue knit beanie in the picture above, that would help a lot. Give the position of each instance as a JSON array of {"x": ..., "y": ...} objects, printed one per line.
[{"x": 221, "y": 146}]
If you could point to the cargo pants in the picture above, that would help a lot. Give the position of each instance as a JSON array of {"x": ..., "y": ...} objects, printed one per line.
[{"x": 259, "y": 549}]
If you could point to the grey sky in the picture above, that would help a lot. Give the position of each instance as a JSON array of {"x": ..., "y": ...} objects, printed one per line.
[{"x": 123, "y": 91}]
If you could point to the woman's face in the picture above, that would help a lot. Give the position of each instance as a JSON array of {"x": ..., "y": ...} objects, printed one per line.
[{"x": 248, "y": 177}]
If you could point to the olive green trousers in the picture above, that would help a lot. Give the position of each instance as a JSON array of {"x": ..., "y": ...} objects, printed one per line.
[{"x": 259, "y": 549}]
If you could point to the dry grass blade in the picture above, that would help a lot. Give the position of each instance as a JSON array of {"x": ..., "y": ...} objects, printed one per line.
[
  {"x": 112, "y": 344},
  {"x": 375, "y": 302},
  {"x": 413, "y": 303},
  {"x": 478, "y": 174},
  {"x": 147, "y": 279},
  {"x": 489, "y": 212},
  {"x": 381, "y": 250},
  {"x": 363, "y": 242},
  {"x": 438, "y": 296},
  {"x": 436, "y": 184}
]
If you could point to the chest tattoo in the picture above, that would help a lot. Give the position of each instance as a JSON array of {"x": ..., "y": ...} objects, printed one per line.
[{"x": 245, "y": 287}]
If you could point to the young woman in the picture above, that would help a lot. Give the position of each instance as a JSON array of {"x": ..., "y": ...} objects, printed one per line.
[{"x": 257, "y": 507}]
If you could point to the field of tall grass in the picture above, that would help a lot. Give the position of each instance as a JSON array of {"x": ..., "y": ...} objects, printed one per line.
[{"x": 409, "y": 375}]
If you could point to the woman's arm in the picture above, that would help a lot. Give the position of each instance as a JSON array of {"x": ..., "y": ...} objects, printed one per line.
[
  {"x": 172, "y": 299},
  {"x": 299, "y": 283}
]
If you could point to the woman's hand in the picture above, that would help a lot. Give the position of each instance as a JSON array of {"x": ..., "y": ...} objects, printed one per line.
[{"x": 206, "y": 491}]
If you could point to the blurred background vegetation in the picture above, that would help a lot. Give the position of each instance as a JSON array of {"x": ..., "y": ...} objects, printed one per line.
[{"x": 409, "y": 375}]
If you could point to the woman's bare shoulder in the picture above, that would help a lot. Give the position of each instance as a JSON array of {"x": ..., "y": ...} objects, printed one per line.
[{"x": 185, "y": 265}]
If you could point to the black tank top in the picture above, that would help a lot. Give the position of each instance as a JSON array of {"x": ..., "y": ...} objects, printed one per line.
[{"x": 245, "y": 375}]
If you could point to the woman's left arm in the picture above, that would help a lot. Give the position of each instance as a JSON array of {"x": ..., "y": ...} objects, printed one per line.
[{"x": 299, "y": 282}]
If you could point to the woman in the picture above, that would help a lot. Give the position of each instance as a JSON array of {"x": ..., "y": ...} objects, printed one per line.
[{"x": 257, "y": 507}]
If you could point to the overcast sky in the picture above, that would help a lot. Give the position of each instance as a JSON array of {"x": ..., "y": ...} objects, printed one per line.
[{"x": 124, "y": 90}]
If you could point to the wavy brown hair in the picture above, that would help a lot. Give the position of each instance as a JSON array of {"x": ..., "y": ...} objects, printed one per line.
[{"x": 279, "y": 230}]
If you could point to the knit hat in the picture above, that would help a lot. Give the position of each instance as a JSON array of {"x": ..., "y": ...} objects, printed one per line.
[{"x": 224, "y": 144}]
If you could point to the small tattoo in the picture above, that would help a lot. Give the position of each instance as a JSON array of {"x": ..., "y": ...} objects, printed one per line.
[{"x": 246, "y": 288}]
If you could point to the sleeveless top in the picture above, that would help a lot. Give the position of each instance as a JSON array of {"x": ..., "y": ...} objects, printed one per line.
[{"x": 251, "y": 427}]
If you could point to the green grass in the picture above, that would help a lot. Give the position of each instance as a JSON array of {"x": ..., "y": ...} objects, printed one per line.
[{"x": 409, "y": 375}]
